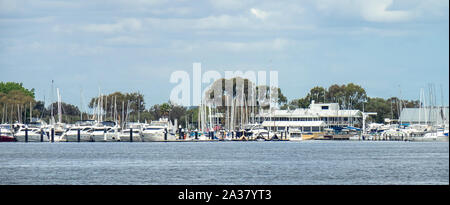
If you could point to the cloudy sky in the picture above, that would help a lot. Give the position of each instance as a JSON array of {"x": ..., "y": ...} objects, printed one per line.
[{"x": 391, "y": 48}]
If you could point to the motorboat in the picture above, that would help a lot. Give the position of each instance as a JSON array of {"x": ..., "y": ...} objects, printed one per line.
[
  {"x": 99, "y": 131},
  {"x": 439, "y": 135},
  {"x": 31, "y": 135},
  {"x": 71, "y": 135},
  {"x": 6, "y": 133},
  {"x": 125, "y": 135},
  {"x": 132, "y": 129},
  {"x": 295, "y": 135},
  {"x": 158, "y": 131},
  {"x": 113, "y": 134}
]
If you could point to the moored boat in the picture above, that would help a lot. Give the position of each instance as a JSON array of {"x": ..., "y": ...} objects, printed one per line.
[{"x": 6, "y": 134}]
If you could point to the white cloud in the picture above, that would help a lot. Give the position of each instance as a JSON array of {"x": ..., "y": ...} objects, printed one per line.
[
  {"x": 221, "y": 22},
  {"x": 7, "y": 6},
  {"x": 377, "y": 11},
  {"x": 126, "y": 40},
  {"x": 47, "y": 19},
  {"x": 130, "y": 24},
  {"x": 229, "y": 4},
  {"x": 369, "y": 10},
  {"x": 73, "y": 49},
  {"x": 277, "y": 44},
  {"x": 259, "y": 13}
]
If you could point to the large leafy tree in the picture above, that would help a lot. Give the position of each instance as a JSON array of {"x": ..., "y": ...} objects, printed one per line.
[
  {"x": 6, "y": 87},
  {"x": 348, "y": 96},
  {"x": 168, "y": 110},
  {"x": 15, "y": 101},
  {"x": 248, "y": 89},
  {"x": 133, "y": 101}
]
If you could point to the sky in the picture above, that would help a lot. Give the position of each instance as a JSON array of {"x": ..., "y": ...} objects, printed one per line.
[{"x": 392, "y": 48}]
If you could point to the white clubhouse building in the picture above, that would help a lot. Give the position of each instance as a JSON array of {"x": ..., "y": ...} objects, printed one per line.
[{"x": 313, "y": 119}]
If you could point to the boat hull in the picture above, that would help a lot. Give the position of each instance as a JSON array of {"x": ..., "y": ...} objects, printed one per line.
[
  {"x": 431, "y": 139},
  {"x": 31, "y": 138},
  {"x": 126, "y": 138},
  {"x": 74, "y": 138},
  {"x": 157, "y": 137},
  {"x": 98, "y": 138},
  {"x": 5, "y": 138}
]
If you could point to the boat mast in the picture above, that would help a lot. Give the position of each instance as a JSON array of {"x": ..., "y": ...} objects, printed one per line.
[
  {"x": 59, "y": 106},
  {"x": 420, "y": 106},
  {"x": 115, "y": 109},
  {"x": 52, "y": 119},
  {"x": 139, "y": 110},
  {"x": 31, "y": 110},
  {"x": 442, "y": 107},
  {"x": 122, "y": 119},
  {"x": 81, "y": 104}
]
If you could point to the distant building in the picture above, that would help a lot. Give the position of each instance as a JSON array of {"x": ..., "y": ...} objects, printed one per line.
[
  {"x": 428, "y": 115},
  {"x": 315, "y": 118}
]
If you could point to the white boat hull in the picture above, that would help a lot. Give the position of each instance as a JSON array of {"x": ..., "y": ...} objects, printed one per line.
[
  {"x": 157, "y": 137},
  {"x": 295, "y": 139},
  {"x": 98, "y": 138},
  {"x": 126, "y": 138},
  {"x": 74, "y": 138},
  {"x": 431, "y": 139},
  {"x": 112, "y": 137},
  {"x": 31, "y": 138}
]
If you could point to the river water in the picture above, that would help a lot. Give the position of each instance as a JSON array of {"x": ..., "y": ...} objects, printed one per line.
[{"x": 237, "y": 163}]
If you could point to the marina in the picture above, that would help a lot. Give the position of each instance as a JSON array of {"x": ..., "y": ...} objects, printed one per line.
[{"x": 279, "y": 125}]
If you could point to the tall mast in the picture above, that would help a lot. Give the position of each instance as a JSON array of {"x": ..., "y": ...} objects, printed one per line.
[
  {"x": 51, "y": 103},
  {"x": 59, "y": 106},
  {"x": 31, "y": 110},
  {"x": 3, "y": 114},
  {"x": 18, "y": 114},
  {"x": 420, "y": 105},
  {"x": 115, "y": 109},
  {"x": 106, "y": 106},
  {"x": 210, "y": 117},
  {"x": 122, "y": 119},
  {"x": 81, "y": 104},
  {"x": 442, "y": 107},
  {"x": 139, "y": 110}
]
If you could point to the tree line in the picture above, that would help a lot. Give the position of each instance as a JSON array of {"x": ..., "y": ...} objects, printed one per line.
[
  {"x": 15, "y": 103},
  {"x": 353, "y": 96}
]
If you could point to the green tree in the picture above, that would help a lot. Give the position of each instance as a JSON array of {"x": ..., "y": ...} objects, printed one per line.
[
  {"x": 317, "y": 94},
  {"x": 10, "y": 86},
  {"x": 379, "y": 105},
  {"x": 133, "y": 101}
]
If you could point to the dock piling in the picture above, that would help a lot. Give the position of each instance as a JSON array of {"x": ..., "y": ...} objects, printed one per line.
[
  {"x": 165, "y": 134},
  {"x": 78, "y": 135},
  {"x": 53, "y": 135},
  {"x": 26, "y": 134},
  {"x": 131, "y": 134}
]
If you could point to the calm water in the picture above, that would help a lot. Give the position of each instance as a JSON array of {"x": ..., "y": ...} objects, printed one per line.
[{"x": 313, "y": 162}]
